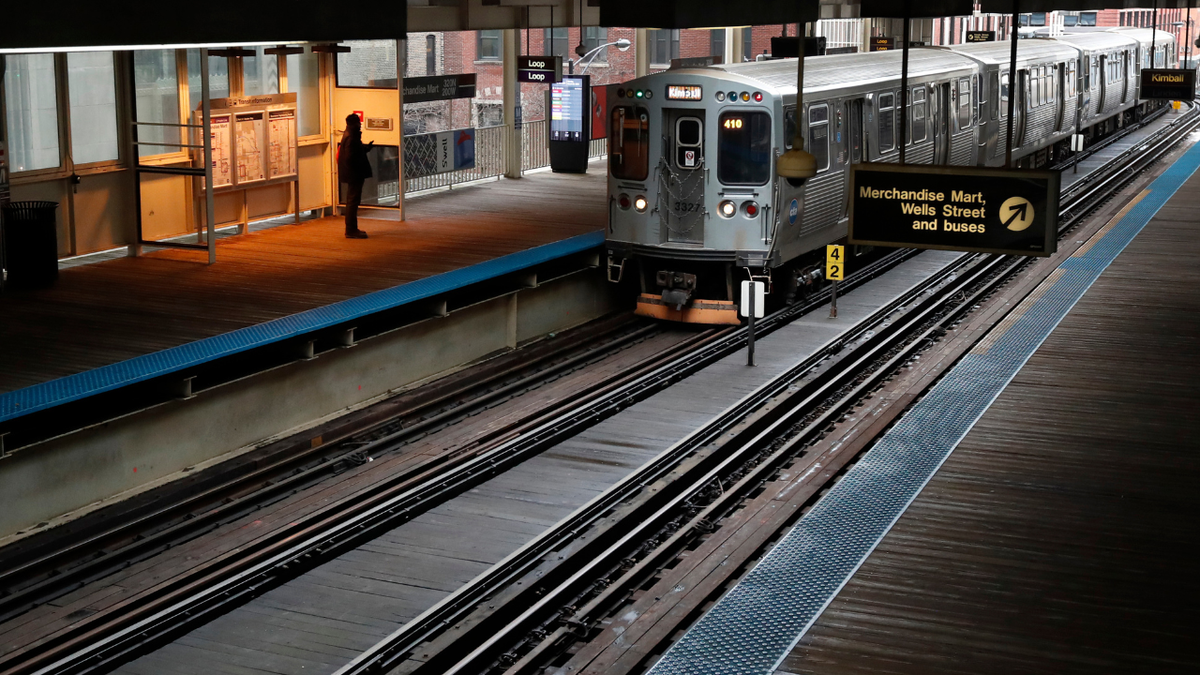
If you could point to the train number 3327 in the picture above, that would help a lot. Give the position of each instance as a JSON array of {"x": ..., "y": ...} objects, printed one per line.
[{"x": 686, "y": 207}]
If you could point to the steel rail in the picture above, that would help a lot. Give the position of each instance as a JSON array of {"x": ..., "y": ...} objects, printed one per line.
[
  {"x": 539, "y": 601},
  {"x": 93, "y": 556},
  {"x": 99, "y": 644}
]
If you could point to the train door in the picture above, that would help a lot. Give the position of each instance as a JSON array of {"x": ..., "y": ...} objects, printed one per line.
[
  {"x": 1083, "y": 82},
  {"x": 1020, "y": 112},
  {"x": 1061, "y": 98},
  {"x": 1125, "y": 76},
  {"x": 943, "y": 107},
  {"x": 855, "y": 142},
  {"x": 682, "y": 177},
  {"x": 1103, "y": 83}
]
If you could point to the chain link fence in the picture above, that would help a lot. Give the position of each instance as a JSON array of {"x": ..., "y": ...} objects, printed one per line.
[{"x": 490, "y": 156}]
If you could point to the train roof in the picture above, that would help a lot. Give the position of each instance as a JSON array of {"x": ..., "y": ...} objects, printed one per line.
[
  {"x": 1100, "y": 40},
  {"x": 1000, "y": 53},
  {"x": 1145, "y": 35},
  {"x": 841, "y": 70}
]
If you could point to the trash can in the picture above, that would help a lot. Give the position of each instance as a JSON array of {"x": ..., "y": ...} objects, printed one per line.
[{"x": 30, "y": 231}]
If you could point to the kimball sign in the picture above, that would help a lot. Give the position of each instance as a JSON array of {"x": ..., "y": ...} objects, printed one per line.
[
  {"x": 1169, "y": 83},
  {"x": 955, "y": 208}
]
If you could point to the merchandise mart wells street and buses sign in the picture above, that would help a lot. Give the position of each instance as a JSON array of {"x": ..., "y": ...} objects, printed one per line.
[{"x": 954, "y": 208}]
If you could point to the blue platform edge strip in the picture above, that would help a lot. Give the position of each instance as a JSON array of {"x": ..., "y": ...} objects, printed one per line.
[
  {"x": 752, "y": 629},
  {"x": 56, "y": 392}
]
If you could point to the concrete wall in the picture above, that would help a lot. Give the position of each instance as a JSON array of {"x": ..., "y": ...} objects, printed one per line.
[{"x": 64, "y": 477}]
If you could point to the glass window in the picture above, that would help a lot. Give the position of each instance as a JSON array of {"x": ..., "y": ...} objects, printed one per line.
[
  {"x": 370, "y": 64},
  {"x": 260, "y": 73},
  {"x": 488, "y": 46},
  {"x": 1003, "y": 95},
  {"x": 789, "y": 127},
  {"x": 1070, "y": 20},
  {"x": 630, "y": 136},
  {"x": 156, "y": 90},
  {"x": 304, "y": 74},
  {"x": 32, "y": 112},
  {"x": 218, "y": 77},
  {"x": 1087, "y": 19},
  {"x": 92, "y": 89},
  {"x": 1037, "y": 19},
  {"x": 747, "y": 44},
  {"x": 557, "y": 42},
  {"x": 919, "y": 132},
  {"x": 664, "y": 46},
  {"x": 430, "y": 55},
  {"x": 717, "y": 42},
  {"x": 818, "y": 134},
  {"x": 564, "y": 45},
  {"x": 744, "y": 148},
  {"x": 964, "y": 103},
  {"x": 1035, "y": 91},
  {"x": 887, "y": 122}
]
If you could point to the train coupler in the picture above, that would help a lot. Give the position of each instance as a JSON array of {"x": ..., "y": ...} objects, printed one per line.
[{"x": 677, "y": 287}]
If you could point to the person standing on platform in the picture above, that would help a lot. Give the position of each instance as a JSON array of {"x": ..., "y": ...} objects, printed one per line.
[{"x": 353, "y": 170}]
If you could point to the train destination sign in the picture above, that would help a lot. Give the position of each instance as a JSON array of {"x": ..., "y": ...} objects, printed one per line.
[
  {"x": 980, "y": 36},
  {"x": 1169, "y": 83},
  {"x": 540, "y": 69},
  {"x": 954, "y": 208}
]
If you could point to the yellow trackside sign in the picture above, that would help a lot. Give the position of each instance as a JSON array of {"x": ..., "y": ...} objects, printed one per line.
[{"x": 835, "y": 262}]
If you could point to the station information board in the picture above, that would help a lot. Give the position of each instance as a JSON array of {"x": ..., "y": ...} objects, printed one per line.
[
  {"x": 568, "y": 110},
  {"x": 980, "y": 36},
  {"x": 1173, "y": 84},
  {"x": 439, "y": 87},
  {"x": 954, "y": 208}
]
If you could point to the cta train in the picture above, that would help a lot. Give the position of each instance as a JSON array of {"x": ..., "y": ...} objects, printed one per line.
[{"x": 695, "y": 205}]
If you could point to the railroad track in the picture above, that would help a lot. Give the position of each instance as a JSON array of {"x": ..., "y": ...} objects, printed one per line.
[
  {"x": 107, "y": 639},
  {"x": 557, "y": 590},
  {"x": 99, "y": 642}
]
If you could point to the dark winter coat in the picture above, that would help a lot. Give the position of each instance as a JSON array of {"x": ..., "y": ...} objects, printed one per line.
[{"x": 353, "y": 165}]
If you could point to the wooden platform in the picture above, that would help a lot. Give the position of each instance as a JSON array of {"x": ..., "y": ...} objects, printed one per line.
[
  {"x": 115, "y": 310},
  {"x": 1057, "y": 536}
]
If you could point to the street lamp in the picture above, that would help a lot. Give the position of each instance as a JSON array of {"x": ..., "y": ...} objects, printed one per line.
[{"x": 623, "y": 44}]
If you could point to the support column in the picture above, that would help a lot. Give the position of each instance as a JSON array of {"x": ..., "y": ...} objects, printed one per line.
[
  {"x": 401, "y": 71},
  {"x": 737, "y": 45},
  {"x": 641, "y": 48},
  {"x": 512, "y": 98}
]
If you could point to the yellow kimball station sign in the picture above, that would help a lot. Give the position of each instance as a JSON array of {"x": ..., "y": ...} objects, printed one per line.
[
  {"x": 954, "y": 208},
  {"x": 1175, "y": 84}
]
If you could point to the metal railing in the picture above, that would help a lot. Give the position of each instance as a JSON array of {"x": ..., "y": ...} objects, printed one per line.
[
  {"x": 840, "y": 33},
  {"x": 490, "y": 157}
]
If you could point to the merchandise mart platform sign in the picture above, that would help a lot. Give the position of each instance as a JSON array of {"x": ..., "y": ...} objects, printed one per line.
[{"x": 954, "y": 208}]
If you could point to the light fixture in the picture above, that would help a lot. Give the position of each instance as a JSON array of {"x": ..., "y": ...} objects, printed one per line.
[
  {"x": 751, "y": 209},
  {"x": 623, "y": 202},
  {"x": 758, "y": 97},
  {"x": 727, "y": 208},
  {"x": 720, "y": 96},
  {"x": 745, "y": 97},
  {"x": 640, "y": 204}
]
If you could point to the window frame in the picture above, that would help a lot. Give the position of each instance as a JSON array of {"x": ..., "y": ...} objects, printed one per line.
[
  {"x": 644, "y": 144},
  {"x": 479, "y": 38},
  {"x": 891, "y": 110},
  {"x": 960, "y": 106},
  {"x": 720, "y": 141},
  {"x": 809, "y": 126},
  {"x": 285, "y": 86},
  {"x": 1004, "y": 82},
  {"x": 912, "y": 121},
  {"x": 180, "y": 154},
  {"x": 672, "y": 42}
]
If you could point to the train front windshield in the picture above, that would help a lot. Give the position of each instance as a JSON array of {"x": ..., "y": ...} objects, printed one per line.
[{"x": 744, "y": 148}]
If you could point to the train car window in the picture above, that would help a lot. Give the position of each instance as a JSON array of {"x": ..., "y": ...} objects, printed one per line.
[
  {"x": 1035, "y": 89},
  {"x": 818, "y": 134},
  {"x": 918, "y": 114},
  {"x": 1004, "y": 96},
  {"x": 964, "y": 104},
  {"x": 979, "y": 96},
  {"x": 689, "y": 139},
  {"x": 744, "y": 148},
  {"x": 789, "y": 127},
  {"x": 887, "y": 123},
  {"x": 995, "y": 88},
  {"x": 630, "y": 134}
]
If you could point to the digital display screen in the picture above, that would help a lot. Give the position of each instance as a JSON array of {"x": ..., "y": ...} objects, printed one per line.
[
  {"x": 567, "y": 110},
  {"x": 684, "y": 92}
]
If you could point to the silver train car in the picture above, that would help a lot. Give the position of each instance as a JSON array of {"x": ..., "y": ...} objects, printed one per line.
[{"x": 695, "y": 205}]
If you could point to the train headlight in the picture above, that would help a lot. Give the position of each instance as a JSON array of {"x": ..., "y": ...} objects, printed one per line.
[
  {"x": 623, "y": 202},
  {"x": 640, "y": 204},
  {"x": 727, "y": 208},
  {"x": 751, "y": 209}
]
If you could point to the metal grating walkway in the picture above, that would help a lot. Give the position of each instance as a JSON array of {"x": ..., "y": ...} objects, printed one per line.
[{"x": 753, "y": 628}]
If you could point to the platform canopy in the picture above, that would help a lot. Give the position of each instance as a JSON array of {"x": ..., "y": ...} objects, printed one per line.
[
  {"x": 705, "y": 13},
  {"x": 26, "y": 25},
  {"x": 898, "y": 9}
]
